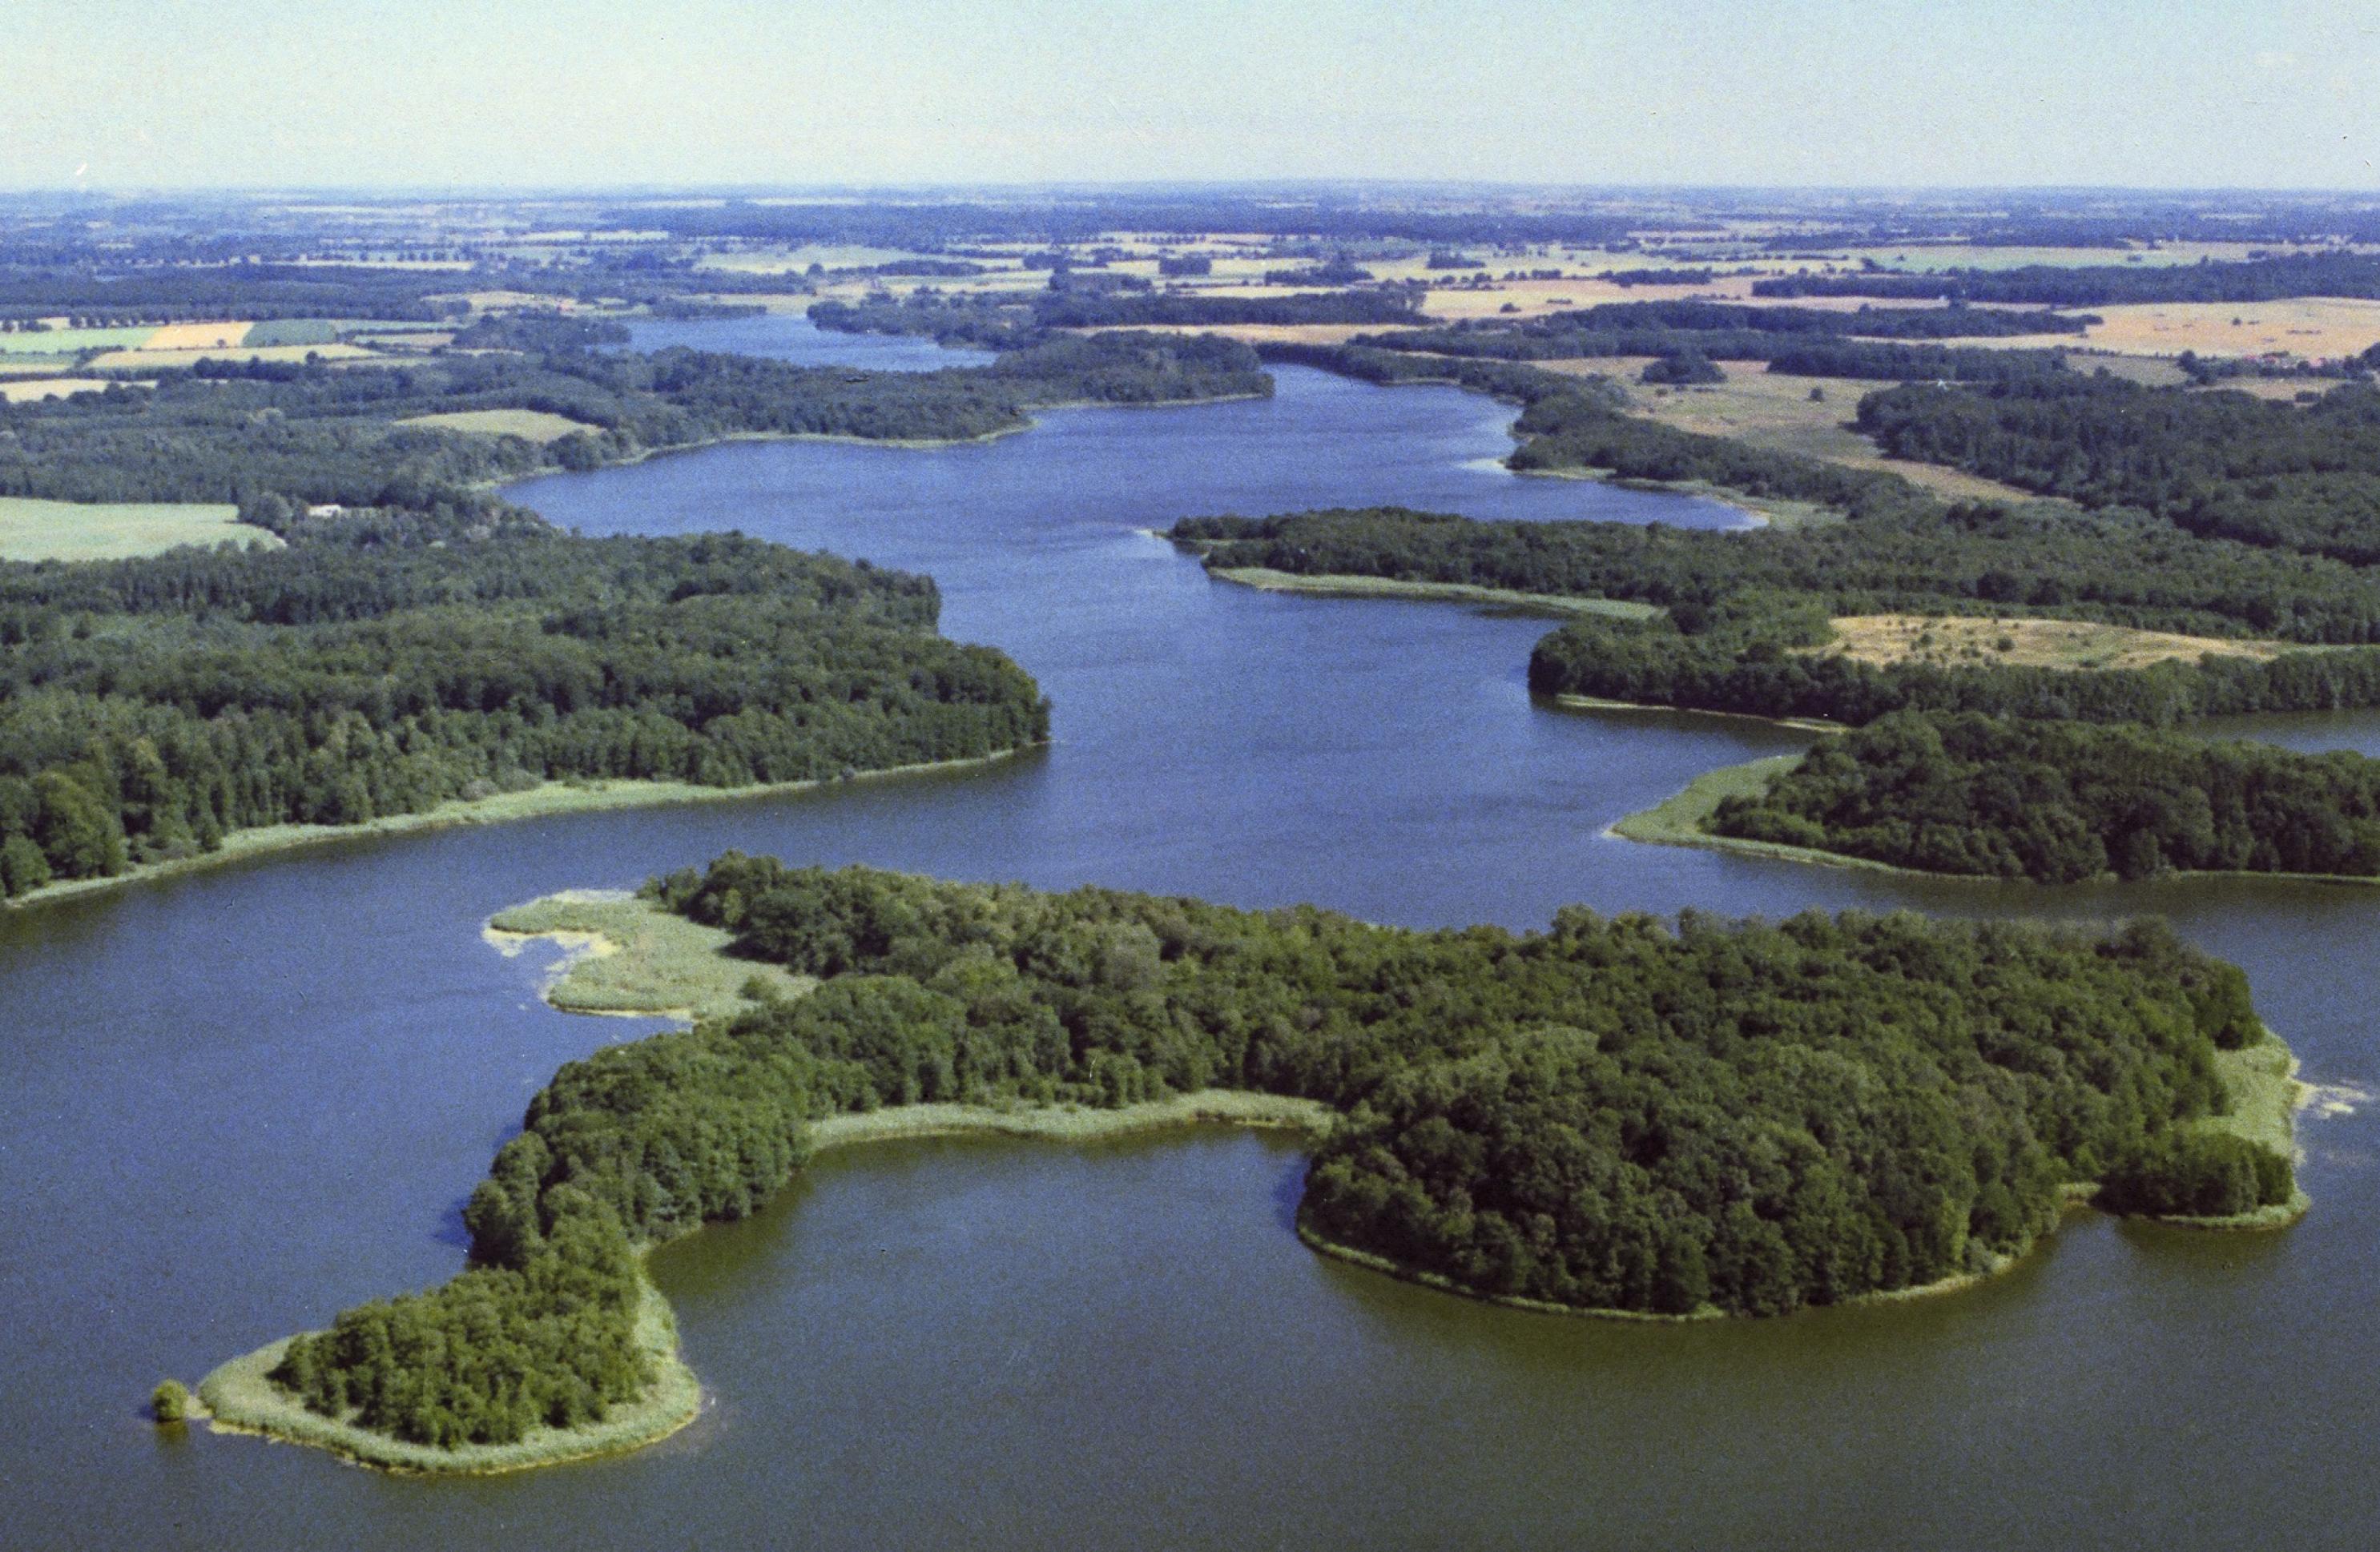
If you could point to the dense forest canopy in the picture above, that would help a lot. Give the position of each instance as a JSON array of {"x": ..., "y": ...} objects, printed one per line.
[
  {"x": 1612, "y": 1113},
  {"x": 2062, "y": 801},
  {"x": 387, "y": 661},
  {"x": 2115, "y": 565},
  {"x": 2290, "y": 476}
]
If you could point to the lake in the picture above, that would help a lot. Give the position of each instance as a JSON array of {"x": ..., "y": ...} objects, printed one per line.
[{"x": 243, "y": 1098}]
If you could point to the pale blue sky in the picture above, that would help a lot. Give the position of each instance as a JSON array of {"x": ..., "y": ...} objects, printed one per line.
[{"x": 162, "y": 94}]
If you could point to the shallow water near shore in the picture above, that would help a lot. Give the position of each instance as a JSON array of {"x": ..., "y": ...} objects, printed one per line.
[{"x": 243, "y": 1099}]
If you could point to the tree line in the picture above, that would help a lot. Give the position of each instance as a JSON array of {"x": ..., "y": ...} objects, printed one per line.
[{"x": 2293, "y": 477}]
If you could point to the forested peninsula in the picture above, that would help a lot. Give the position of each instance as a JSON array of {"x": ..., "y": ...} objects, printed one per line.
[
  {"x": 389, "y": 663},
  {"x": 1614, "y": 1114},
  {"x": 2060, "y": 802}
]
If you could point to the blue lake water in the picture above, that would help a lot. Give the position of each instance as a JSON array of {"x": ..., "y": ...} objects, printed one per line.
[{"x": 243, "y": 1098}]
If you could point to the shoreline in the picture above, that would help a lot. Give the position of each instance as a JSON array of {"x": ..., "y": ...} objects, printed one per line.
[
  {"x": 239, "y": 1400},
  {"x": 1345, "y": 585},
  {"x": 1597, "y": 703},
  {"x": 2240, "y": 1076},
  {"x": 919, "y": 444},
  {"x": 1206, "y": 1107},
  {"x": 1754, "y": 518},
  {"x": 547, "y": 800}
]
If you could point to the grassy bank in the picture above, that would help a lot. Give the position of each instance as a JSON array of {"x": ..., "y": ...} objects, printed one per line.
[
  {"x": 1759, "y": 512},
  {"x": 1678, "y": 820},
  {"x": 627, "y": 957},
  {"x": 240, "y": 1399},
  {"x": 1071, "y": 1123},
  {"x": 2265, "y": 1098},
  {"x": 544, "y": 801},
  {"x": 1264, "y": 579},
  {"x": 1598, "y": 703}
]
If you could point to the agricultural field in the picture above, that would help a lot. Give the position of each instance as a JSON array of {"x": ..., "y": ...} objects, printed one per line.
[
  {"x": 197, "y": 336},
  {"x": 1775, "y": 412},
  {"x": 48, "y": 530},
  {"x": 166, "y": 360},
  {"x": 2314, "y": 328},
  {"x": 66, "y": 342},
  {"x": 1933, "y": 260},
  {"x": 530, "y": 425},
  {"x": 24, "y": 390},
  {"x": 782, "y": 260},
  {"x": 1950, "y": 640},
  {"x": 285, "y": 331}
]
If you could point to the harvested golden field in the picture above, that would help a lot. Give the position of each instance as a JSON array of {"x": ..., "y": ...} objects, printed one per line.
[
  {"x": 21, "y": 390},
  {"x": 197, "y": 336},
  {"x": 160, "y": 361},
  {"x": 1774, "y": 411},
  {"x": 1263, "y": 334},
  {"x": 530, "y": 425},
  {"x": 2283, "y": 389},
  {"x": 2313, "y": 327},
  {"x": 1953, "y": 640}
]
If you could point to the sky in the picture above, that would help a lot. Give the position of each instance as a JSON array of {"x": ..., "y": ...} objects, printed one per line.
[{"x": 133, "y": 94}]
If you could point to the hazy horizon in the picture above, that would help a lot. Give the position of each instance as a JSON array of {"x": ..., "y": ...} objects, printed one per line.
[{"x": 1884, "y": 96}]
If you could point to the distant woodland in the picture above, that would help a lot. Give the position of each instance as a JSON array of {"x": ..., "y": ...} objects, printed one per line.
[{"x": 386, "y": 662}]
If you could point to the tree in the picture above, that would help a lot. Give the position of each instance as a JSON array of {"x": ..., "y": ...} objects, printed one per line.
[
  {"x": 23, "y": 868},
  {"x": 77, "y": 834},
  {"x": 170, "y": 1402}
]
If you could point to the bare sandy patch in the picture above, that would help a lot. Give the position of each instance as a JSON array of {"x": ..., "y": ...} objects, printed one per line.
[
  {"x": 163, "y": 360},
  {"x": 25, "y": 389},
  {"x": 1886, "y": 640},
  {"x": 197, "y": 336},
  {"x": 1775, "y": 412}
]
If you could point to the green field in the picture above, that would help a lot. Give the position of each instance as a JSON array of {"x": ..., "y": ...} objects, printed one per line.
[
  {"x": 529, "y": 425},
  {"x": 48, "y": 530},
  {"x": 292, "y": 331},
  {"x": 66, "y": 342}
]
